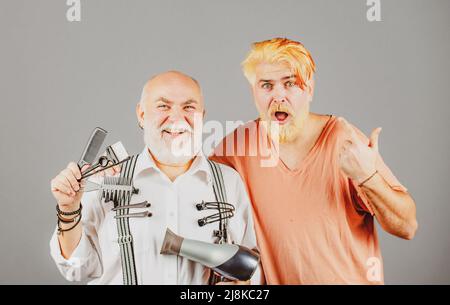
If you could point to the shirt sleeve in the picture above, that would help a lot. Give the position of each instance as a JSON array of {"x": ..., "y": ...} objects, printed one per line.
[
  {"x": 242, "y": 228},
  {"x": 85, "y": 262}
]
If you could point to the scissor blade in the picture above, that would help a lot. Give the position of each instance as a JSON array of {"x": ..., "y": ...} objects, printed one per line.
[{"x": 91, "y": 186}]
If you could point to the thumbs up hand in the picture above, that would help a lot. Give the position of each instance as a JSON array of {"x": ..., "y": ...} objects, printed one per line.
[{"x": 357, "y": 159}]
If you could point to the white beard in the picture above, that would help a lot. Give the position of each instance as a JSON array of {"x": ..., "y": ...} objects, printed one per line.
[{"x": 177, "y": 151}]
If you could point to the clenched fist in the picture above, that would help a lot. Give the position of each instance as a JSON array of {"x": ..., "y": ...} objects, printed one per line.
[{"x": 66, "y": 189}]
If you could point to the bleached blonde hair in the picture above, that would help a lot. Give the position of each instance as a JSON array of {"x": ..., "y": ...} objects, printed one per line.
[{"x": 280, "y": 50}]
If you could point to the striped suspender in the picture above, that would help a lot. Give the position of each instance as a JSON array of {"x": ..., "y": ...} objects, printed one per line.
[
  {"x": 218, "y": 184},
  {"x": 125, "y": 239},
  {"x": 221, "y": 196}
]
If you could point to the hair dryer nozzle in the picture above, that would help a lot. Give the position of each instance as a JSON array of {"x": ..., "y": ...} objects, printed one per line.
[{"x": 171, "y": 244}]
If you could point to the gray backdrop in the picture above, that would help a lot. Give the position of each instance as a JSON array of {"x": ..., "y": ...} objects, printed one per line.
[{"x": 58, "y": 80}]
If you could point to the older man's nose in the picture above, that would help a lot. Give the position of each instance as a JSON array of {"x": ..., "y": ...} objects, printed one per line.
[{"x": 175, "y": 115}]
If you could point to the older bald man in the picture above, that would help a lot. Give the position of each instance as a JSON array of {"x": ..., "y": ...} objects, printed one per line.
[{"x": 173, "y": 174}]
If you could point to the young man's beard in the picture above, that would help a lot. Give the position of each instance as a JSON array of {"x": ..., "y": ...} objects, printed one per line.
[
  {"x": 177, "y": 151},
  {"x": 284, "y": 133}
]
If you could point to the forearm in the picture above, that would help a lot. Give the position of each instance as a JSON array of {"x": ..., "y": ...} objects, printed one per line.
[
  {"x": 69, "y": 240},
  {"x": 394, "y": 210},
  {"x": 75, "y": 250}
]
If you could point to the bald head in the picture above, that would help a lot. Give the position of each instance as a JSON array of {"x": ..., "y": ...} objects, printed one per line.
[
  {"x": 170, "y": 96},
  {"x": 173, "y": 81}
]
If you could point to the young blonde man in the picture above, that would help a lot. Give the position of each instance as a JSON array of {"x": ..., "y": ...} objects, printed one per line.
[{"x": 314, "y": 210}]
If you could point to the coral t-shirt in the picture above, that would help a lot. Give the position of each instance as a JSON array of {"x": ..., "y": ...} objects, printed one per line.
[{"x": 313, "y": 224}]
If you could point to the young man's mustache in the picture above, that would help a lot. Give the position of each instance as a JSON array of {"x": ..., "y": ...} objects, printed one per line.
[{"x": 280, "y": 108}]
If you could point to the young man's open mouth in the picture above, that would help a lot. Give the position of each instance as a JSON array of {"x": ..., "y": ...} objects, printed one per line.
[{"x": 281, "y": 117}]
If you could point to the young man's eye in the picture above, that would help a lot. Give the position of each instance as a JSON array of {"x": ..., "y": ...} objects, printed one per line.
[
  {"x": 290, "y": 84},
  {"x": 266, "y": 86}
]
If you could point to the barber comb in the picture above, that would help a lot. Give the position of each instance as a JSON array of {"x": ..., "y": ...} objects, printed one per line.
[
  {"x": 93, "y": 146},
  {"x": 120, "y": 189},
  {"x": 116, "y": 189}
]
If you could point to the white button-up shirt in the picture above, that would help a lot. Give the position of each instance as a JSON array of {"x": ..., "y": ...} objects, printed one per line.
[{"x": 97, "y": 256}]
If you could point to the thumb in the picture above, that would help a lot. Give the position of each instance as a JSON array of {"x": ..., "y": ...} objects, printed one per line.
[{"x": 374, "y": 138}]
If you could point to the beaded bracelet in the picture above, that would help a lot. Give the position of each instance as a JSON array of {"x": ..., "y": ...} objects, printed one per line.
[
  {"x": 69, "y": 213},
  {"x": 60, "y": 213},
  {"x": 61, "y": 230}
]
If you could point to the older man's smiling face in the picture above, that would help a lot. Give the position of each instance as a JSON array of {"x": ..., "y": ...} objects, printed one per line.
[{"x": 171, "y": 112}]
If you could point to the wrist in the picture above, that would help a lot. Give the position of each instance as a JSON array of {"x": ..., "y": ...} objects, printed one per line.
[
  {"x": 370, "y": 180},
  {"x": 68, "y": 220},
  {"x": 69, "y": 208}
]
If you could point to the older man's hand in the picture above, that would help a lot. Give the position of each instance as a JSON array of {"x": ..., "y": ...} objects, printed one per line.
[{"x": 112, "y": 171}]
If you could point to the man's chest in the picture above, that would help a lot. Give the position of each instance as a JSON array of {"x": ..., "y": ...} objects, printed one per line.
[{"x": 171, "y": 206}]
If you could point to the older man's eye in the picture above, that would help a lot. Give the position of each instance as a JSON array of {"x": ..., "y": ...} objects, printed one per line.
[
  {"x": 163, "y": 107},
  {"x": 189, "y": 107},
  {"x": 266, "y": 86}
]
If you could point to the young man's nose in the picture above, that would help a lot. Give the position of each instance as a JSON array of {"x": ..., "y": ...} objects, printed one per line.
[{"x": 279, "y": 94}]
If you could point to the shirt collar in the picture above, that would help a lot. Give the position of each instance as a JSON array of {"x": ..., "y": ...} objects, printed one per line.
[{"x": 200, "y": 166}]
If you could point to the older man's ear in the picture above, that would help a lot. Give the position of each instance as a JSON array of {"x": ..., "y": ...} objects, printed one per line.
[{"x": 140, "y": 115}]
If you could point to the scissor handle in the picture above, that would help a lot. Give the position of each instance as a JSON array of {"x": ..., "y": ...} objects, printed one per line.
[{"x": 89, "y": 172}]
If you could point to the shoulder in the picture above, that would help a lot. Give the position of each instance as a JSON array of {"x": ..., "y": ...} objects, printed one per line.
[
  {"x": 232, "y": 179},
  {"x": 239, "y": 136},
  {"x": 235, "y": 188},
  {"x": 339, "y": 130},
  {"x": 231, "y": 150}
]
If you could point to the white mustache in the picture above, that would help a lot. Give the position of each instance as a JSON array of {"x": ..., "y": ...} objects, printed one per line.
[{"x": 176, "y": 127}]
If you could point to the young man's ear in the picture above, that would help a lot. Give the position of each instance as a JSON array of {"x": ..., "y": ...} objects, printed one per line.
[
  {"x": 140, "y": 115},
  {"x": 310, "y": 87}
]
